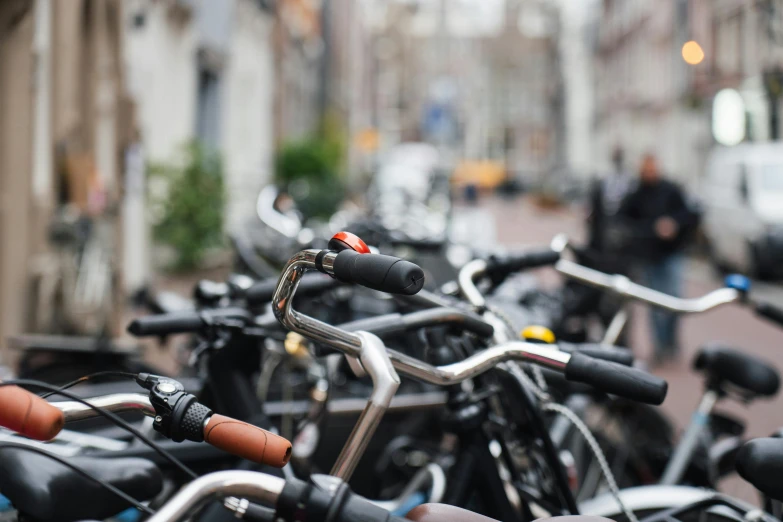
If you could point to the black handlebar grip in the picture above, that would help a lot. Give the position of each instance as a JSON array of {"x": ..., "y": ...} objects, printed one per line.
[
  {"x": 311, "y": 284},
  {"x": 165, "y": 324},
  {"x": 475, "y": 325},
  {"x": 453, "y": 317},
  {"x": 520, "y": 261},
  {"x": 609, "y": 353},
  {"x": 379, "y": 272},
  {"x": 391, "y": 324},
  {"x": 616, "y": 379},
  {"x": 771, "y": 312},
  {"x": 261, "y": 292},
  {"x": 380, "y": 325},
  {"x": 185, "y": 322}
]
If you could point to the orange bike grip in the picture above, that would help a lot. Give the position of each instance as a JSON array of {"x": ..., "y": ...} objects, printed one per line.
[
  {"x": 247, "y": 441},
  {"x": 29, "y": 414}
]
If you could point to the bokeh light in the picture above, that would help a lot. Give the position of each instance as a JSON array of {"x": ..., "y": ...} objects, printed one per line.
[{"x": 692, "y": 53}]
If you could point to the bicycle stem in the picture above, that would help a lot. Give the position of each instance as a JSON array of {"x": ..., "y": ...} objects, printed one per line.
[{"x": 385, "y": 382}]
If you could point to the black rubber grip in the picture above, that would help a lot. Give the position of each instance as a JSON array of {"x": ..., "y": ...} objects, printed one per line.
[
  {"x": 771, "y": 312},
  {"x": 390, "y": 324},
  {"x": 616, "y": 379},
  {"x": 261, "y": 292},
  {"x": 184, "y": 322},
  {"x": 514, "y": 262},
  {"x": 759, "y": 462},
  {"x": 379, "y": 272},
  {"x": 421, "y": 245},
  {"x": 379, "y": 325},
  {"x": 604, "y": 352},
  {"x": 311, "y": 284},
  {"x": 166, "y": 324}
]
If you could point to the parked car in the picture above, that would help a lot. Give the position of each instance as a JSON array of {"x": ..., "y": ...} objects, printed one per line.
[{"x": 742, "y": 198}]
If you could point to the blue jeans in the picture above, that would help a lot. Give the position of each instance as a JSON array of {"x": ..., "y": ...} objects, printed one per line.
[{"x": 665, "y": 276}]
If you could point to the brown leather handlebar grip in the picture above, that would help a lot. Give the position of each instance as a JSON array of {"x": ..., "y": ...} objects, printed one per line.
[
  {"x": 247, "y": 441},
  {"x": 29, "y": 414}
]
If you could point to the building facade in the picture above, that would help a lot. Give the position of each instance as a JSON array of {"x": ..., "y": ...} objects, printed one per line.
[{"x": 648, "y": 99}]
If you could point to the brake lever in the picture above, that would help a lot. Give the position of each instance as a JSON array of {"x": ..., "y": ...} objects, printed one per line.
[{"x": 215, "y": 336}]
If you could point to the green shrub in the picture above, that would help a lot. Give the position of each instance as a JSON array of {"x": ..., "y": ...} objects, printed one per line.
[
  {"x": 189, "y": 201},
  {"x": 309, "y": 170}
]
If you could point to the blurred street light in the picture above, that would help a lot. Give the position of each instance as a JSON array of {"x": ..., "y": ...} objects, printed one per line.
[{"x": 692, "y": 53}]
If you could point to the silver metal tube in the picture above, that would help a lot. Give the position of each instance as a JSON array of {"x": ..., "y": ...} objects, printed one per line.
[
  {"x": 85, "y": 440},
  {"x": 478, "y": 363},
  {"x": 243, "y": 484},
  {"x": 406, "y": 402},
  {"x": 616, "y": 327},
  {"x": 385, "y": 382},
  {"x": 318, "y": 331},
  {"x": 624, "y": 287},
  {"x": 683, "y": 454},
  {"x": 351, "y": 343},
  {"x": 115, "y": 403},
  {"x": 466, "y": 277}
]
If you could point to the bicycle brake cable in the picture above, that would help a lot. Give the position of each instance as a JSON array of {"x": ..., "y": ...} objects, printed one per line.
[
  {"x": 108, "y": 415},
  {"x": 549, "y": 405},
  {"x": 89, "y": 376},
  {"x": 127, "y": 498}
]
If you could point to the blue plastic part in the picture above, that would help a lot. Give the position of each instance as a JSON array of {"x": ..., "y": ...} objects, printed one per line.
[
  {"x": 414, "y": 500},
  {"x": 5, "y": 504},
  {"x": 129, "y": 515},
  {"x": 738, "y": 282}
]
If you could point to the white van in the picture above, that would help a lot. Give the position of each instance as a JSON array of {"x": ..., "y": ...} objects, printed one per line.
[{"x": 742, "y": 196}]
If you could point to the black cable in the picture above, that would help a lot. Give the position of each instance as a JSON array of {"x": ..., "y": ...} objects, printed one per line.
[
  {"x": 135, "y": 503},
  {"x": 109, "y": 415},
  {"x": 88, "y": 377}
]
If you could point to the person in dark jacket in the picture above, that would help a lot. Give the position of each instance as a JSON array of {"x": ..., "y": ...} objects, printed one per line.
[
  {"x": 606, "y": 197},
  {"x": 607, "y": 248},
  {"x": 661, "y": 222}
]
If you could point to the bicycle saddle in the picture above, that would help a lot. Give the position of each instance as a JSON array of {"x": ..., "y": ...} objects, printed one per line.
[
  {"x": 446, "y": 513},
  {"x": 44, "y": 490},
  {"x": 752, "y": 376},
  {"x": 760, "y": 462}
]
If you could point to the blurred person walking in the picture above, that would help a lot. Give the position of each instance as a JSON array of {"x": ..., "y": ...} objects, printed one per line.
[
  {"x": 607, "y": 239},
  {"x": 661, "y": 222},
  {"x": 606, "y": 197}
]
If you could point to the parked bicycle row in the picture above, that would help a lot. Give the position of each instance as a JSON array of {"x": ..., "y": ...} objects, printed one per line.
[{"x": 357, "y": 385}]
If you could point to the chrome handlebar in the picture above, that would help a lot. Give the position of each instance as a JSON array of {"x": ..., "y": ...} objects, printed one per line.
[
  {"x": 115, "y": 403},
  {"x": 381, "y": 362},
  {"x": 242, "y": 484},
  {"x": 624, "y": 287},
  {"x": 367, "y": 348},
  {"x": 346, "y": 342},
  {"x": 350, "y": 343}
]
